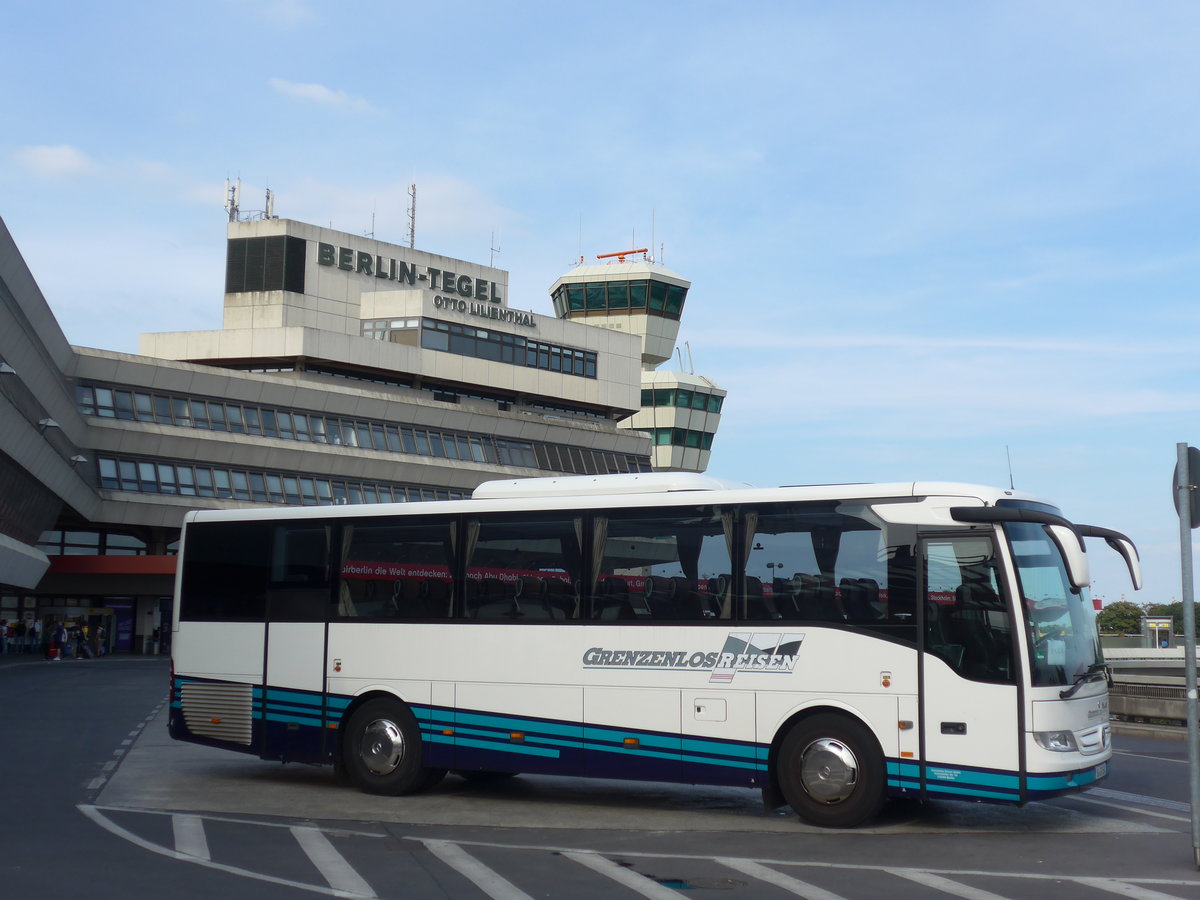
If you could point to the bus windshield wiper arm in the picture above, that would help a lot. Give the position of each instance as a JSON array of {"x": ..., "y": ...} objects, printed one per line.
[{"x": 1082, "y": 679}]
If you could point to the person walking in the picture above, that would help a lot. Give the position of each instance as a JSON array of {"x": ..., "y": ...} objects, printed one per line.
[{"x": 34, "y": 636}]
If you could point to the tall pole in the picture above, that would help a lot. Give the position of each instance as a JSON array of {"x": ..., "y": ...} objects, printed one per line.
[{"x": 1185, "y": 487}]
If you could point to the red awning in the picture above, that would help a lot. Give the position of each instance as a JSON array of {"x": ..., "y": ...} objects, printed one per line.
[{"x": 112, "y": 565}]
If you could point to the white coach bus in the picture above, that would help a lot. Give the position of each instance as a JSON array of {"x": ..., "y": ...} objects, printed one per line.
[{"x": 832, "y": 646}]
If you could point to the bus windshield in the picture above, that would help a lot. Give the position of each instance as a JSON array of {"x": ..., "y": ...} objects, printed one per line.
[{"x": 1060, "y": 623}]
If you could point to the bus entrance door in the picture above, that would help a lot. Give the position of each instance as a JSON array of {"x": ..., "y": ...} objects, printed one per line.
[{"x": 968, "y": 698}]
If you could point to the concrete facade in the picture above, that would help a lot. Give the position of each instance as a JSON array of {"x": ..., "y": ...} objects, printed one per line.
[{"x": 346, "y": 370}]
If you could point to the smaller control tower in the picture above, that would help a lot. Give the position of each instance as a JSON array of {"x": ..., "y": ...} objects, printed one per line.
[{"x": 680, "y": 411}]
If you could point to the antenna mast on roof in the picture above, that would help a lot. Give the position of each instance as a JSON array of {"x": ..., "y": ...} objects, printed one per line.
[
  {"x": 269, "y": 210},
  {"x": 412, "y": 216},
  {"x": 233, "y": 194},
  {"x": 495, "y": 247}
]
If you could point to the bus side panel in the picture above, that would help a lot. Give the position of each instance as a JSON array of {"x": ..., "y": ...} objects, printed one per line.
[
  {"x": 293, "y": 710},
  {"x": 539, "y": 730},
  {"x": 216, "y": 693},
  {"x": 971, "y": 739}
]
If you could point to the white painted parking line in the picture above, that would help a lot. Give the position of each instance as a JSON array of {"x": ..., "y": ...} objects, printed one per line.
[
  {"x": 638, "y": 883},
  {"x": 938, "y": 883},
  {"x": 491, "y": 883},
  {"x": 770, "y": 876},
  {"x": 1141, "y": 799},
  {"x": 190, "y": 837},
  {"x": 1182, "y": 762},
  {"x": 1125, "y": 807},
  {"x": 332, "y": 865},
  {"x": 112, "y": 827},
  {"x": 1124, "y": 889}
]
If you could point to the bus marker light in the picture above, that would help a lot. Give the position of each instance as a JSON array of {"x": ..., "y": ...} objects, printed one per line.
[
  {"x": 885, "y": 678},
  {"x": 516, "y": 736},
  {"x": 215, "y": 721},
  {"x": 906, "y": 754},
  {"x": 447, "y": 731},
  {"x": 631, "y": 742},
  {"x": 904, "y": 724}
]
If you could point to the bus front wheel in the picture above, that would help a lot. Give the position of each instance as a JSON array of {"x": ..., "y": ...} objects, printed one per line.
[
  {"x": 381, "y": 750},
  {"x": 831, "y": 771}
]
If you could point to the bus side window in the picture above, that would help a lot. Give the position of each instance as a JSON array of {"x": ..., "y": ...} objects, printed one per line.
[
  {"x": 224, "y": 576},
  {"x": 299, "y": 589},
  {"x": 662, "y": 564},
  {"x": 524, "y": 567},
  {"x": 395, "y": 571}
]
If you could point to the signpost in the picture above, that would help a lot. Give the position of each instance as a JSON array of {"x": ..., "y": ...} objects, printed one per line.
[{"x": 1187, "y": 502}]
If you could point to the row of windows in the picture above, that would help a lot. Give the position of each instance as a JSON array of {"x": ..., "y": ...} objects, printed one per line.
[
  {"x": 216, "y": 415},
  {"x": 498, "y": 346},
  {"x": 90, "y": 543},
  {"x": 149, "y": 476},
  {"x": 443, "y": 392},
  {"x": 698, "y": 563},
  {"x": 656, "y": 297},
  {"x": 683, "y": 398},
  {"x": 679, "y": 437}
]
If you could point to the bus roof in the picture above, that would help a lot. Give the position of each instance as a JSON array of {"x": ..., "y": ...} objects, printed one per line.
[{"x": 629, "y": 491}]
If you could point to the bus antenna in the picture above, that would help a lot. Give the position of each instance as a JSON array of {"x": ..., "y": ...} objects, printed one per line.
[{"x": 1010, "y": 478}]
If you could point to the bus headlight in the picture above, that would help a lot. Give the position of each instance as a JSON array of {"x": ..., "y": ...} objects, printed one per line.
[{"x": 1058, "y": 741}]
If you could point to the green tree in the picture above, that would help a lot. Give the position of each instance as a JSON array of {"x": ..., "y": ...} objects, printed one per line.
[{"x": 1121, "y": 617}]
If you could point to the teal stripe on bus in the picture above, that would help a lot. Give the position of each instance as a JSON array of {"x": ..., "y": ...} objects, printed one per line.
[
  {"x": 513, "y": 723},
  {"x": 506, "y": 748},
  {"x": 728, "y": 763},
  {"x": 943, "y": 788},
  {"x": 715, "y": 748}
]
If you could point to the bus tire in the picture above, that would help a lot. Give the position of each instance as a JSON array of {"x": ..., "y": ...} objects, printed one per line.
[
  {"x": 831, "y": 771},
  {"x": 381, "y": 750}
]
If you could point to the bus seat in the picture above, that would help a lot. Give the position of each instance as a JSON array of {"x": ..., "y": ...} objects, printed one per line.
[
  {"x": 438, "y": 596},
  {"x": 757, "y": 605},
  {"x": 660, "y": 597},
  {"x": 561, "y": 598}
]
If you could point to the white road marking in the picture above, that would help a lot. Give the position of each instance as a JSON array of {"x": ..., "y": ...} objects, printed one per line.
[
  {"x": 938, "y": 883},
  {"x": 1182, "y": 762},
  {"x": 1142, "y": 799},
  {"x": 1124, "y": 807},
  {"x": 640, "y": 884},
  {"x": 332, "y": 865},
  {"x": 770, "y": 876},
  {"x": 112, "y": 827},
  {"x": 490, "y": 882},
  {"x": 1124, "y": 889},
  {"x": 190, "y": 837}
]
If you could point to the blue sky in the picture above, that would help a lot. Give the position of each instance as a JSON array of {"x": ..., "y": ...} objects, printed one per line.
[{"x": 918, "y": 233}]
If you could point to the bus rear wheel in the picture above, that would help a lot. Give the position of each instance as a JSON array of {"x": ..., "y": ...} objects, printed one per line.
[
  {"x": 381, "y": 750},
  {"x": 831, "y": 771}
]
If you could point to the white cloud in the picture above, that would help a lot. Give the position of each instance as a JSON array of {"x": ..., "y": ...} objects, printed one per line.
[
  {"x": 319, "y": 94},
  {"x": 54, "y": 163}
]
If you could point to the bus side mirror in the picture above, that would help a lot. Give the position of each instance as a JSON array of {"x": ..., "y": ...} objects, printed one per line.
[
  {"x": 1122, "y": 545},
  {"x": 1070, "y": 545},
  {"x": 1130, "y": 555}
]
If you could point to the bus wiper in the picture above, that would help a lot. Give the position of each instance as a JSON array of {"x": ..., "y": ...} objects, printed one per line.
[{"x": 1080, "y": 680}]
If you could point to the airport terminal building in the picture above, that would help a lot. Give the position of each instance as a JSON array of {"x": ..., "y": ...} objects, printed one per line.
[{"x": 347, "y": 370}]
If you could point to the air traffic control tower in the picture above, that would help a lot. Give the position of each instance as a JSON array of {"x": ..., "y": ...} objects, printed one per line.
[{"x": 680, "y": 411}]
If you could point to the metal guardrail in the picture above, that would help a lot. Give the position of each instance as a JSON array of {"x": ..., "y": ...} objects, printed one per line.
[{"x": 1143, "y": 698}]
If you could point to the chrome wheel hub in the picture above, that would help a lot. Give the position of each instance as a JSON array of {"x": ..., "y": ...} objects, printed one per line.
[
  {"x": 382, "y": 747},
  {"x": 828, "y": 770}
]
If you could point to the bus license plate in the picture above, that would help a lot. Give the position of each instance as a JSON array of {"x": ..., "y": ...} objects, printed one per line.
[{"x": 1101, "y": 771}]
